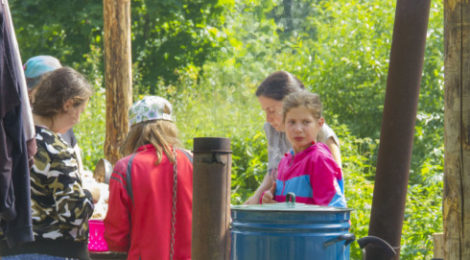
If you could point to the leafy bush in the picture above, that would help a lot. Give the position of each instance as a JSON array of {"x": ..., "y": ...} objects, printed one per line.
[
  {"x": 167, "y": 35},
  {"x": 90, "y": 131}
]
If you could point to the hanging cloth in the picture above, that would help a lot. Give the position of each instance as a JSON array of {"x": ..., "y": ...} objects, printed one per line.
[{"x": 15, "y": 130}]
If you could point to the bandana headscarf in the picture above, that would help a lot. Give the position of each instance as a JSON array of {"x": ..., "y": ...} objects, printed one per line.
[
  {"x": 150, "y": 108},
  {"x": 36, "y": 66}
]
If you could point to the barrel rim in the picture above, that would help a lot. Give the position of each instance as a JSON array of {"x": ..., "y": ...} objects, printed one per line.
[{"x": 298, "y": 207}]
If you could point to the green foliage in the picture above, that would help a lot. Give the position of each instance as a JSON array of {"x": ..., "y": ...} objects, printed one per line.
[
  {"x": 170, "y": 35},
  {"x": 356, "y": 154},
  {"x": 214, "y": 105},
  {"x": 64, "y": 29},
  {"x": 423, "y": 217},
  {"x": 347, "y": 65},
  {"x": 90, "y": 131},
  {"x": 166, "y": 35}
]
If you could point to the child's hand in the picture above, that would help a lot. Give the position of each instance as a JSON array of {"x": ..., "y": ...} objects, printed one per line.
[
  {"x": 268, "y": 196},
  {"x": 252, "y": 200}
]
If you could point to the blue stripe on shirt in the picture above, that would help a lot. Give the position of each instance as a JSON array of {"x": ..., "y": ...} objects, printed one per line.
[
  {"x": 337, "y": 201},
  {"x": 299, "y": 185}
]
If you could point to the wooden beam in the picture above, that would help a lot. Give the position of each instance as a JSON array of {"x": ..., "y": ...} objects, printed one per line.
[
  {"x": 118, "y": 73},
  {"x": 456, "y": 201},
  {"x": 438, "y": 239}
]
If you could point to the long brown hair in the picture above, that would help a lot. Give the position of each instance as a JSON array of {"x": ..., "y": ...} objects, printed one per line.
[
  {"x": 58, "y": 86},
  {"x": 162, "y": 134}
]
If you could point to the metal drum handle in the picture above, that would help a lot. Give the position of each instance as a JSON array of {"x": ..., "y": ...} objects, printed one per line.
[
  {"x": 387, "y": 248},
  {"x": 348, "y": 238}
]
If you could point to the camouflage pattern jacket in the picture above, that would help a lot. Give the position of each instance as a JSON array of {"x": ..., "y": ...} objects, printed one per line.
[{"x": 60, "y": 206}]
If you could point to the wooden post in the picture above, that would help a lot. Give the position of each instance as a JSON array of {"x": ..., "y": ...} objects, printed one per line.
[
  {"x": 456, "y": 208},
  {"x": 118, "y": 74},
  {"x": 211, "y": 199},
  {"x": 438, "y": 239}
]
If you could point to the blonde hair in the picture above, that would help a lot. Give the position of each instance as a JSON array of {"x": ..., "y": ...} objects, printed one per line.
[
  {"x": 304, "y": 98},
  {"x": 162, "y": 134}
]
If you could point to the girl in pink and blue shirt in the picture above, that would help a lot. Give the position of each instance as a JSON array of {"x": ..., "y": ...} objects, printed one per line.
[{"x": 309, "y": 169}]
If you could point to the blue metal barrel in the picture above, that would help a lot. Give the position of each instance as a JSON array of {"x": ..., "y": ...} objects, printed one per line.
[{"x": 280, "y": 231}]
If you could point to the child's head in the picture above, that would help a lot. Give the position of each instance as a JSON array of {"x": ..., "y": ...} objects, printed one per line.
[
  {"x": 302, "y": 119},
  {"x": 57, "y": 88},
  {"x": 151, "y": 122},
  {"x": 272, "y": 91}
]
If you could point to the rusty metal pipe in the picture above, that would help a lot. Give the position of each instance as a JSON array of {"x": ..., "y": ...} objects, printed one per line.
[
  {"x": 211, "y": 199},
  {"x": 399, "y": 115}
]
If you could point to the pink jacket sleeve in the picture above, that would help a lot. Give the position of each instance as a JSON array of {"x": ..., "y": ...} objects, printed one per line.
[{"x": 322, "y": 179}]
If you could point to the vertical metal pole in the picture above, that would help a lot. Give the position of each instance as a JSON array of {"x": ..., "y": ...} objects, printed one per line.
[
  {"x": 211, "y": 199},
  {"x": 396, "y": 140}
]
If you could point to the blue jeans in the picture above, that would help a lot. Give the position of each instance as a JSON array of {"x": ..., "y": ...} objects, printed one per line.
[{"x": 35, "y": 257}]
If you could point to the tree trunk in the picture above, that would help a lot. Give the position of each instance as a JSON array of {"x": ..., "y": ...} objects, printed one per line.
[
  {"x": 456, "y": 205},
  {"x": 118, "y": 74}
]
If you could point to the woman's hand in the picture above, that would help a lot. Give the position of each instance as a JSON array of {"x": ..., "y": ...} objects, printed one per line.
[
  {"x": 268, "y": 196},
  {"x": 252, "y": 200}
]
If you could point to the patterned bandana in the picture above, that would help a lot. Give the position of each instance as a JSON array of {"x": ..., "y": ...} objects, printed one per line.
[
  {"x": 38, "y": 65},
  {"x": 149, "y": 108}
]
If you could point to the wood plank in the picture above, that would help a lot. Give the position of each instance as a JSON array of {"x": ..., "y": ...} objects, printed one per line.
[
  {"x": 438, "y": 239},
  {"x": 465, "y": 129},
  {"x": 452, "y": 201}
]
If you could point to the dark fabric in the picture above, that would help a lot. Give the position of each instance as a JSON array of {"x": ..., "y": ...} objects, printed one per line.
[
  {"x": 7, "y": 196},
  {"x": 9, "y": 99},
  {"x": 15, "y": 204},
  {"x": 9, "y": 95},
  {"x": 58, "y": 247}
]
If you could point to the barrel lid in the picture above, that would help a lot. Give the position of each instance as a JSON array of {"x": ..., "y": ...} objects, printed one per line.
[{"x": 287, "y": 206}]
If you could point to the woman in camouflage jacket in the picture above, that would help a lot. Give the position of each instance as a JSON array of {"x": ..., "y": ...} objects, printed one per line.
[{"x": 61, "y": 207}]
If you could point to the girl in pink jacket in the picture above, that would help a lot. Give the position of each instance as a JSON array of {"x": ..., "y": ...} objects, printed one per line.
[{"x": 309, "y": 169}]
